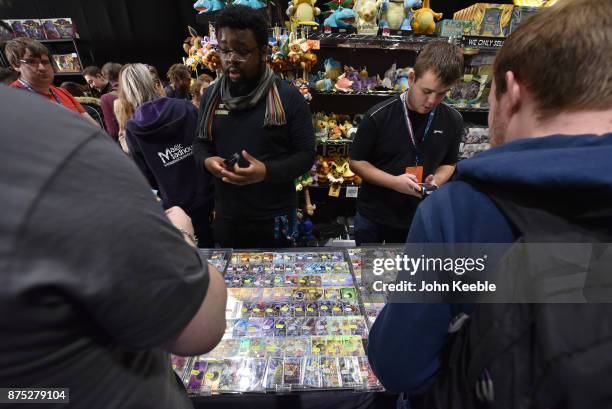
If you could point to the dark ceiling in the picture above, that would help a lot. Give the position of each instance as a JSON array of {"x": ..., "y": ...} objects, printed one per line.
[{"x": 150, "y": 31}]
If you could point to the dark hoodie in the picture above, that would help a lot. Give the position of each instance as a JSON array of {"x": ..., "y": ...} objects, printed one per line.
[
  {"x": 160, "y": 135},
  {"x": 565, "y": 174}
]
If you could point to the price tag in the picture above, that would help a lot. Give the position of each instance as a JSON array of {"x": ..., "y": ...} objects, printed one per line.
[
  {"x": 352, "y": 191},
  {"x": 209, "y": 375},
  {"x": 334, "y": 190},
  {"x": 195, "y": 372}
]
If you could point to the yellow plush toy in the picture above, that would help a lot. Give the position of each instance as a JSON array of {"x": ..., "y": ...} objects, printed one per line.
[
  {"x": 303, "y": 11},
  {"x": 423, "y": 19}
]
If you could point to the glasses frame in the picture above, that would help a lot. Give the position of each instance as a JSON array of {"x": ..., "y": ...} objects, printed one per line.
[
  {"x": 227, "y": 54},
  {"x": 30, "y": 63}
]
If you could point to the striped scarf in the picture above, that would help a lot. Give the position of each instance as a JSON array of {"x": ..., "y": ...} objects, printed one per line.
[{"x": 275, "y": 114}]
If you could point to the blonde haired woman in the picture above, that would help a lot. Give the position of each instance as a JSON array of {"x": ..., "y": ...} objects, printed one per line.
[{"x": 159, "y": 136}]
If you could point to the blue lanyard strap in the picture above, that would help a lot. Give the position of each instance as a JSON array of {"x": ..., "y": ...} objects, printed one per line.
[
  {"x": 29, "y": 88},
  {"x": 404, "y": 99}
]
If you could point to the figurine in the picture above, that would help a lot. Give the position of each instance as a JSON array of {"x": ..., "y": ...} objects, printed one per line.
[
  {"x": 341, "y": 18},
  {"x": 207, "y": 6},
  {"x": 254, "y": 4},
  {"x": 303, "y": 11},
  {"x": 423, "y": 19}
]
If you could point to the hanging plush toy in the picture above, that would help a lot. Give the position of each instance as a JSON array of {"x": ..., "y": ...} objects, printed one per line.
[
  {"x": 208, "y": 6},
  {"x": 423, "y": 19}
]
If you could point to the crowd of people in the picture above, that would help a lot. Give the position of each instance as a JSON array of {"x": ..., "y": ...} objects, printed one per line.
[{"x": 99, "y": 273}]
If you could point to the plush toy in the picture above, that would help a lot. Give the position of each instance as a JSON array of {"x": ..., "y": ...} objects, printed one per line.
[
  {"x": 366, "y": 12},
  {"x": 333, "y": 69},
  {"x": 254, "y": 4},
  {"x": 393, "y": 14},
  {"x": 389, "y": 77},
  {"x": 303, "y": 11},
  {"x": 401, "y": 79},
  {"x": 423, "y": 19},
  {"x": 336, "y": 171},
  {"x": 305, "y": 229},
  {"x": 344, "y": 84},
  {"x": 341, "y": 18},
  {"x": 361, "y": 81},
  {"x": 207, "y": 6}
]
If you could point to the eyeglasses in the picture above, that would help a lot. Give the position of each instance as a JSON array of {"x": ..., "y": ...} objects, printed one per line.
[
  {"x": 36, "y": 62},
  {"x": 240, "y": 55}
]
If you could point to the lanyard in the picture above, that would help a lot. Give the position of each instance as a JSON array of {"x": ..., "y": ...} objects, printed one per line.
[
  {"x": 29, "y": 88},
  {"x": 404, "y": 98}
]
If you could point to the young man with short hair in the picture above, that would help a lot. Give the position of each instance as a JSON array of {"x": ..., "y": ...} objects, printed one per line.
[
  {"x": 32, "y": 61},
  {"x": 96, "y": 81},
  {"x": 267, "y": 124},
  {"x": 404, "y": 141},
  {"x": 553, "y": 130}
]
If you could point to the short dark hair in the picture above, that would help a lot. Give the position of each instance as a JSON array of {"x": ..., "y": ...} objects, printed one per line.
[
  {"x": 561, "y": 55},
  {"x": 178, "y": 71},
  {"x": 16, "y": 49},
  {"x": 92, "y": 71},
  {"x": 76, "y": 90},
  {"x": 244, "y": 17},
  {"x": 443, "y": 59},
  {"x": 111, "y": 70}
]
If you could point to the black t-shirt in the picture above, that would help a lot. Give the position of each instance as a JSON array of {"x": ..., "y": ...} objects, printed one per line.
[
  {"x": 383, "y": 140},
  {"x": 94, "y": 277},
  {"x": 287, "y": 151}
]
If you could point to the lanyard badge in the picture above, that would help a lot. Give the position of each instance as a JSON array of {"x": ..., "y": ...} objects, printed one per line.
[
  {"x": 404, "y": 99},
  {"x": 29, "y": 88}
]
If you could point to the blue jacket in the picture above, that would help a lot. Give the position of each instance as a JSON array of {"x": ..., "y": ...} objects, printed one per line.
[{"x": 571, "y": 171}]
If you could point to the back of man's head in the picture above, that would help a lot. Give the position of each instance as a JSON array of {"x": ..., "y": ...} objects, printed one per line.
[
  {"x": 111, "y": 70},
  {"x": 443, "y": 59},
  {"x": 563, "y": 57},
  {"x": 16, "y": 49}
]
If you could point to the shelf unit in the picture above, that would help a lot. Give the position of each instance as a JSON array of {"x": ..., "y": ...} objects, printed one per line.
[{"x": 361, "y": 41}]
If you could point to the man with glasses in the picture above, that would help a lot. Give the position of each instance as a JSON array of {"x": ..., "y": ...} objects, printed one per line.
[
  {"x": 32, "y": 61},
  {"x": 266, "y": 125}
]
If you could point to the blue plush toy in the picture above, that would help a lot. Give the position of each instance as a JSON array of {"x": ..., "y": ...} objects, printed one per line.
[
  {"x": 207, "y": 6},
  {"x": 341, "y": 18},
  {"x": 254, "y": 4},
  {"x": 396, "y": 14}
]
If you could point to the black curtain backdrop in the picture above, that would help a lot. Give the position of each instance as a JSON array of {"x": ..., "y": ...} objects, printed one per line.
[{"x": 150, "y": 31}]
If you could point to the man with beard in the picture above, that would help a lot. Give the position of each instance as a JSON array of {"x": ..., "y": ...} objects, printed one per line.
[
  {"x": 179, "y": 76},
  {"x": 266, "y": 125},
  {"x": 552, "y": 131}
]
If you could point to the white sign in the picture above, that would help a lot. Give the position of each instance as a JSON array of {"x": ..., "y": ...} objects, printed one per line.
[{"x": 352, "y": 191}]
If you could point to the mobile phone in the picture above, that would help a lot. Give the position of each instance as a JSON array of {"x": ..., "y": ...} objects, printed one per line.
[
  {"x": 231, "y": 161},
  {"x": 427, "y": 188}
]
